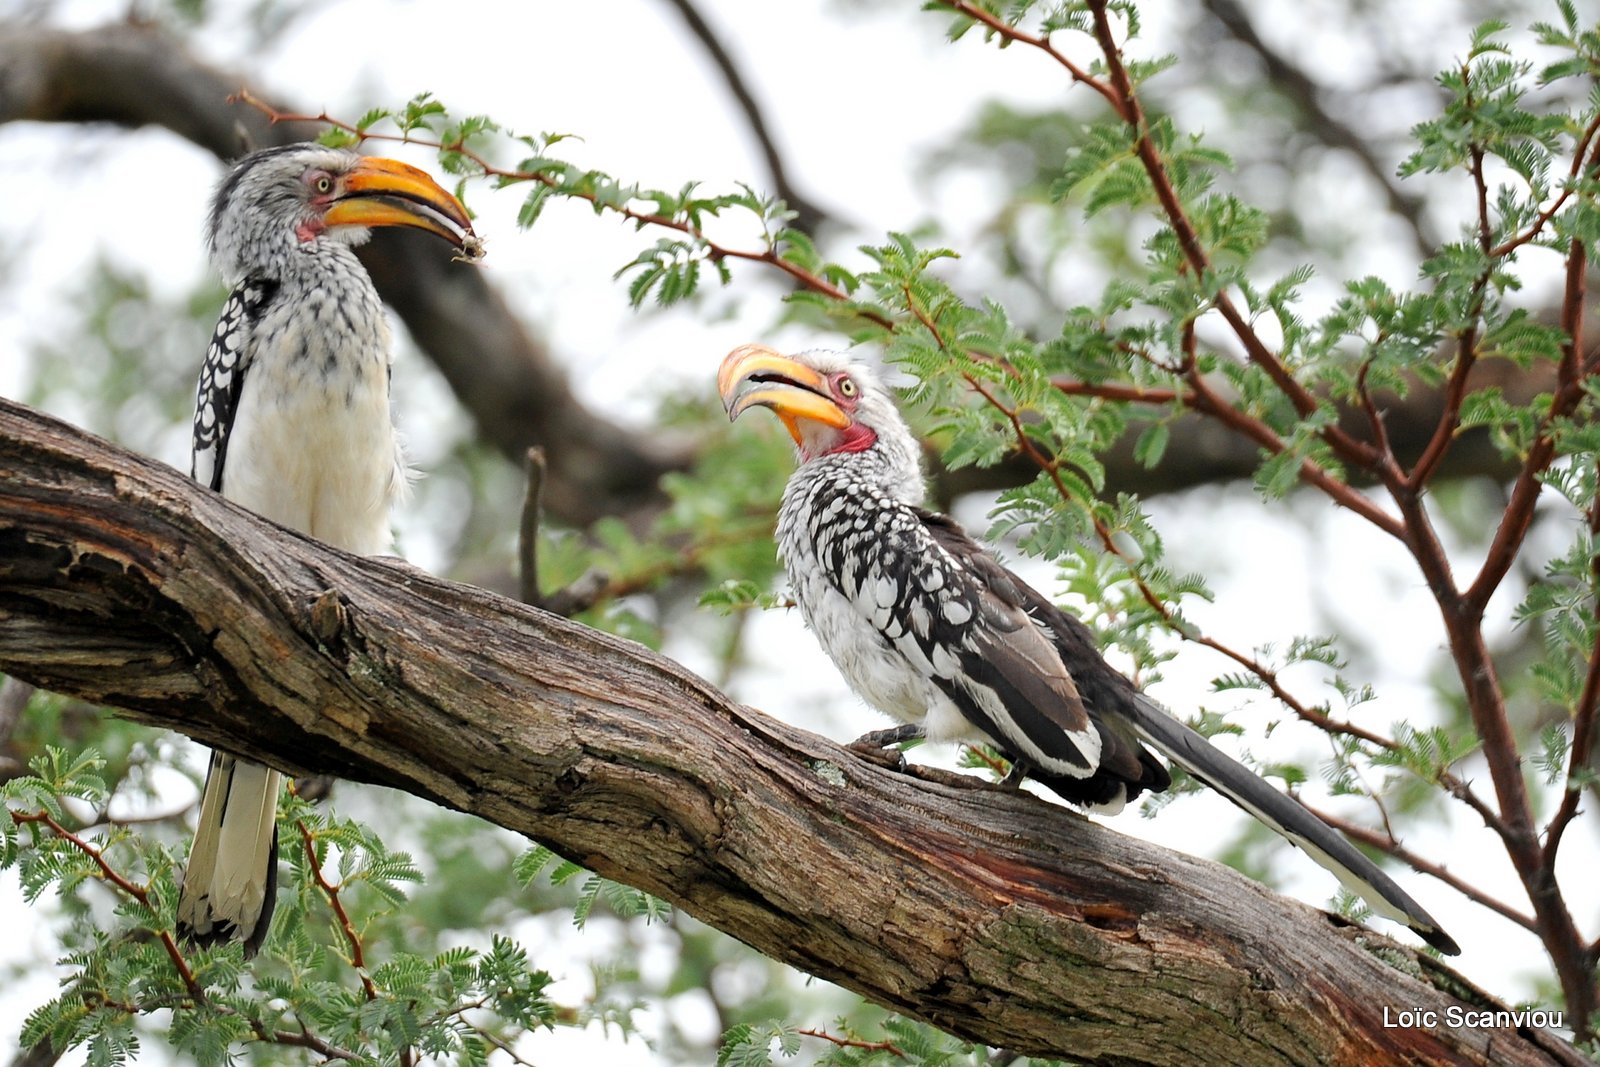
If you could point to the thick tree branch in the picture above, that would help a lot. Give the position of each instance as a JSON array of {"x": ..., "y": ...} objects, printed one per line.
[
  {"x": 136, "y": 75},
  {"x": 992, "y": 914}
]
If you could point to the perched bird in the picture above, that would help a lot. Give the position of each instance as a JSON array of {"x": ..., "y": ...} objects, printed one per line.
[
  {"x": 928, "y": 628},
  {"x": 292, "y": 421}
]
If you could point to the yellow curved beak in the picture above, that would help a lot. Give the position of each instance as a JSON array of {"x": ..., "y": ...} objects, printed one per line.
[
  {"x": 755, "y": 375},
  {"x": 386, "y": 192}
]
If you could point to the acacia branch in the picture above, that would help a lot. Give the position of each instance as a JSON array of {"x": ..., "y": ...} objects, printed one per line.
[
  {"x": 1462, "y": 612},
  {"x": 991, "y": 914},
  {"x": 1583, "y": 731},
  {"x": 1009, "y": 32},
  {"x": 137, "y": 75},
  {"x": 358, "y": 958},
  {"x": 854, "y": 1042},
  {"x": 1389, "y": 845},
  {"x": 1118, "y": 89},
  {"x": 121, "y": 882},
  {"x": 1269, "y": 678},
  {"x": 714, "y": 250}
]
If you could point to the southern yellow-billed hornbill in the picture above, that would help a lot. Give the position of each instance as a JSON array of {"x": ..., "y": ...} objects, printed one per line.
[
  {"x": 292, "y": 421},
  {"x": 931, "y": 630}
]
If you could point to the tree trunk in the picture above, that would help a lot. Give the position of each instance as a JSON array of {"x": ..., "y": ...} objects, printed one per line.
[{"x": 988, "y": 913}]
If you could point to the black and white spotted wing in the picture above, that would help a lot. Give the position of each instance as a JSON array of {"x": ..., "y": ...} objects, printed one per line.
[
  {"x": 955, "y": 616},
  {"x": 222, "y": 378},
  {"x": 1125, "y": 768}
]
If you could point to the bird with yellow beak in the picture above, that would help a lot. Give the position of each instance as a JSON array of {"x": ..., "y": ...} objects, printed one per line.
[
  {"x": 292, "y": 421},
  {"x": 933, "y": 631}
]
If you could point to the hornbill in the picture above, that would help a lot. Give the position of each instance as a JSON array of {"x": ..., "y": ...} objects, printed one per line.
[
  {"x": 292, "y": 421},
  {"x": 928, "y": 628}
]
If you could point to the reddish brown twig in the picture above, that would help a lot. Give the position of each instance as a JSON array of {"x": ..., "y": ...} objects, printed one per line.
[
  {"x": 1572, "y": 374},
  {"x": 1119, "y": 92},
  {"x": 995, "y": 764},
  {"x": 1380, "y": 429},
  {"x": 1583, "y": 731},
  {"x": 137, "y": 892},
  {"x": 1387, "y": 844},
  {"x": 1536, "y": 227},
  {"x": 196, "y": 994},
  {"x": 715, "y": 250},
  {"x": 1269, "y": 677},
  {"x": 850, "y": 1042},
  {"x": 1467, "y": 340},
  {"x": 1012, "y": 33},
  {"x": 331, "y": 891},
  {"x": 303, "y": 1038}
]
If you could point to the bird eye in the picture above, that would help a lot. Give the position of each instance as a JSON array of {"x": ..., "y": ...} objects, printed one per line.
[
  {"x": 847, "y": 387},
  {"x": 323, "y": 184}
]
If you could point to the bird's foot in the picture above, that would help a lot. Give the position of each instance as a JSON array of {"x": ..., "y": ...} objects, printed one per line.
[
  {"x": 879, "y": 745},
  {"x": 1016, "y": 775}
]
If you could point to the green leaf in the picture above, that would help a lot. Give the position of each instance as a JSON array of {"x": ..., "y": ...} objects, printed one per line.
[
  {"x": 333, "y": 137},
  {"x": 1151, "y": 445}
]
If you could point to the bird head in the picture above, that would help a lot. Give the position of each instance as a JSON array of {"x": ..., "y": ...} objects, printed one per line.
[
  {"x": 831, "y": 405},
  {"x": 302, "y": 198}
]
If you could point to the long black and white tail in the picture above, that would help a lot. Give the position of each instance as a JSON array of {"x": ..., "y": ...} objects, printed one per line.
[
  {"x": 231, "y": 883},
  {"x": 1286, "y": 817}
]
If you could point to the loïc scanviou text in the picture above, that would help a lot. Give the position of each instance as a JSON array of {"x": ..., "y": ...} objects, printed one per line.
[{"x": 1472, "y": 1018}]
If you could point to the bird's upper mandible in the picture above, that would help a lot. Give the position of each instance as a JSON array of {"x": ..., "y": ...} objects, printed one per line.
[
  {"x": 279, "y": 205},
  {"x": 831, "y": 405}
]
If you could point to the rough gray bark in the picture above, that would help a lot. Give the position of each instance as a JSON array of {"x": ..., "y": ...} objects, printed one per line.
[{"x": 991, "y": 914}]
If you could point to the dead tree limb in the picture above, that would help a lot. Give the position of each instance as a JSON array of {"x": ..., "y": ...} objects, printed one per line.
[{"x": 991, "y": 914}]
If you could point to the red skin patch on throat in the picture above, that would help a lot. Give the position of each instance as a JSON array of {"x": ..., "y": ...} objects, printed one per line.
[
  {"x": 309, "y": 230},
  {"x": 857, "y": 438}
]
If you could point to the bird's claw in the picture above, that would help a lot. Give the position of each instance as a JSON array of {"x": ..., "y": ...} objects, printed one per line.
[
  {"x": 891, "y": 758},
  {"x": 880, "y": 746}
]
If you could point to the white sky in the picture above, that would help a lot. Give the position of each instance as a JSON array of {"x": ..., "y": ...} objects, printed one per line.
[{"x": 630, "y": 81}]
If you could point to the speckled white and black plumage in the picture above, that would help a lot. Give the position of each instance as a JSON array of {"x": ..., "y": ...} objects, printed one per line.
[
  {"x": 928, "y": 628},
  {"x": 292, "y": 420}
]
